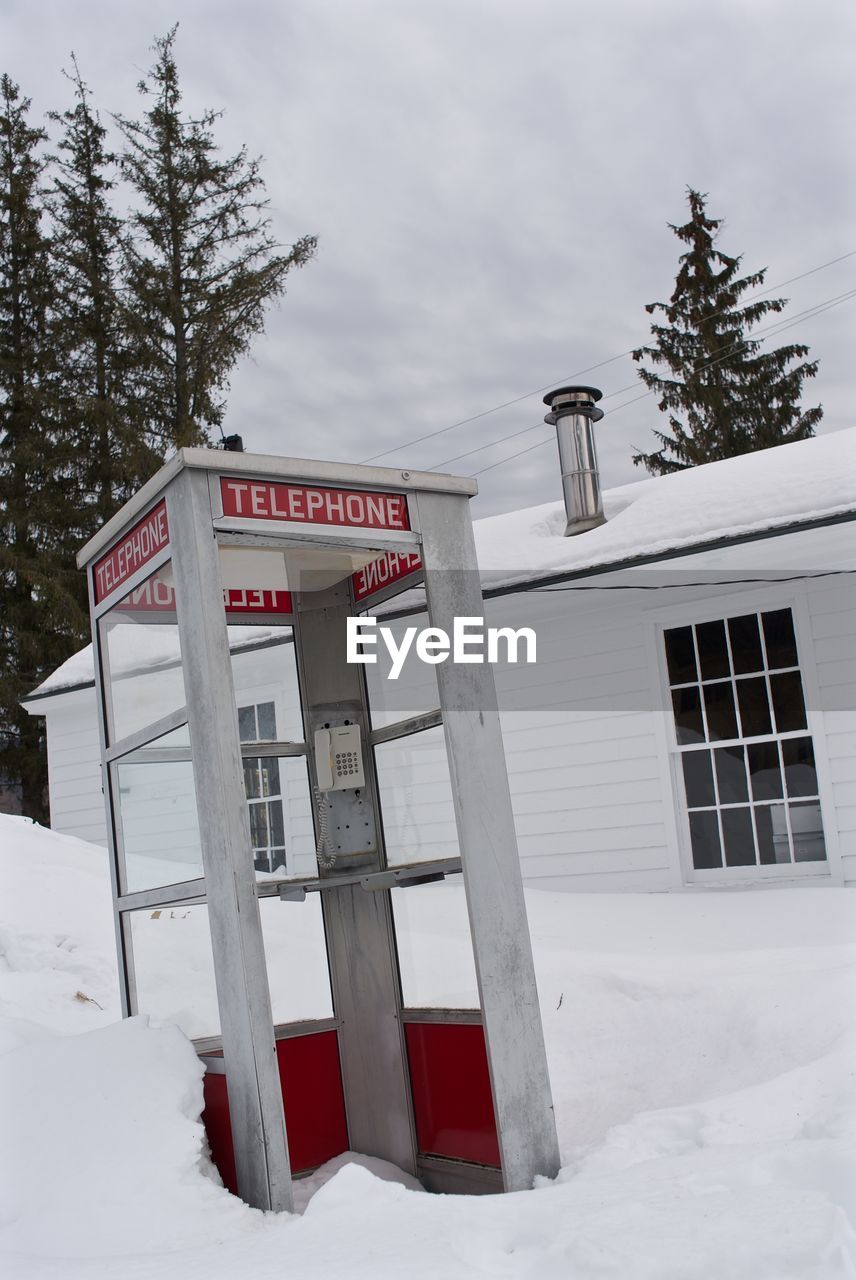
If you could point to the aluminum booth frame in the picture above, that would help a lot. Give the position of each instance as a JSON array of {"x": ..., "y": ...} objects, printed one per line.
[{"x": 208, "y": 514}]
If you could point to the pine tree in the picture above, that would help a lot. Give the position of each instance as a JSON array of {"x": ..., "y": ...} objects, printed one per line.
[
  {"x": 723, "y": 394},
  {"x": 112, "y": 456},
  {"x": 41, "y": 620},
  {"x": 200, "y": 261}
]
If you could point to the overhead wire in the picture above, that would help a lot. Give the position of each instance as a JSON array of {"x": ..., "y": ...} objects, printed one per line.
[
  {"x": 774, "y": 331},
  {"x": 592, "y": 368}
]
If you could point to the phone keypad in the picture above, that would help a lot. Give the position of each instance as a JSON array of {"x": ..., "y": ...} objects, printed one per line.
[{"x": 347, "y": 763}]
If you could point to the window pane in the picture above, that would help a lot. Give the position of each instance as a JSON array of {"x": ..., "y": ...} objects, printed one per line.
[
  {"x": 731, "y": 775},
  {"x": 435, "y": 951},
  {"x": 738, "y": 838},
  {"x": 680, "y": 655},
  {"x": 719, "y": 707},
  {"x": 252, "y": 779},
  {"x": 788, "y": 702},
  {"x": 173, "y": 967},
  {"x": 800, "y": 771},
  {"x": 296, "y": 954},
  {"x": 267, "y": 721},
  {"x": 746, "y": 652},
  {"x": 807, "y": 831},
  {"x": 247, "y": 724},
  {"x": 141, "y": 657},
  {"x": 698, "y": 778},
  {"x": 292, "y": 834},
  {"x": 688, "y": 722},
  {"x": 704, "y": 834},
  {"x": 764, "y": 770},
  {"x": 155, "y": 804},
  {"x": 270, "y": 776},
  {"x": 772, "y": 828},
  {"x": 259, "y": 826},
  {"x": 277, "y": 836},
  {"x": 754, "y": 707},
  {"x": 779, "y": 639},
  {"x": 712, "y": 650},
  {"x": 416, "y": 798}
]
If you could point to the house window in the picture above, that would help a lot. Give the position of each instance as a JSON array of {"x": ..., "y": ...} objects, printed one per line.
[
  {"x": 747, "y": 759},
  {"x": 264, "y": 795}
]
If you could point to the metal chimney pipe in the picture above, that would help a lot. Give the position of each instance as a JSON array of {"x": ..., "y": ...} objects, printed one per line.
[{"x": 573, "y": 412}]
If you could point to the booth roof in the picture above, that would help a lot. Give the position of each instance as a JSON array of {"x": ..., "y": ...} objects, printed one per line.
[{"x": 757, "y": 493}]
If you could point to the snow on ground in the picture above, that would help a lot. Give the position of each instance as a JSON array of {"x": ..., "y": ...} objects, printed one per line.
[{"x": 701, "y": 1052}]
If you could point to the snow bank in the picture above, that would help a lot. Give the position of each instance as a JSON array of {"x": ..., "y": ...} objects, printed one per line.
[{"x": 701, "y": 1051}]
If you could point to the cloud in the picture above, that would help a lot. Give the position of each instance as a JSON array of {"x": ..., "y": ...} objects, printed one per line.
[{"x": 490, "y": 184}]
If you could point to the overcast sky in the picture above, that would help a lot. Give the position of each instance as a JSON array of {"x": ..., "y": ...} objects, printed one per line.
[{"x": 490, "y": 182}]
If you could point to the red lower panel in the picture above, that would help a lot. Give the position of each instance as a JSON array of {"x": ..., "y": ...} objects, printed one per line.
[
  {"x": 452, "y": 1101},
  {"x": 312, "y": 1098}
]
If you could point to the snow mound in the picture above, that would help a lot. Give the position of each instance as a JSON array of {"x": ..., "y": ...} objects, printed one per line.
[{"x": 701, "y": 1051}]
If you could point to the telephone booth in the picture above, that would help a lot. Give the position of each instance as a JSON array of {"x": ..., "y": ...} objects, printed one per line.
[{"x": 320, "y": 884}]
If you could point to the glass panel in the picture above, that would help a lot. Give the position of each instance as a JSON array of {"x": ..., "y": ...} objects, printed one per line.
[
  {"x": 252, "y": 779},
  {"x": 173, "y": 967},
  {"x": 264, "y": 670},
  {"x": 435, "y": 953},
  {"x": 259, "y": 826},
  {"x": 712, "y": 650},
  {"x": 277, "y": 829},
  {"x": 680, "y": 655},
  {"x": 689, "y": 725},
  {"x": 704, "y": 833},
  {"x": 155, "y": 804},
  {"x": 731, "y": 775},
  {"x": 800, "y": 771},
  {"x": 719, "y": 708},
  {"x": 416, "y": 798},
  {"x": 807, "y": 832},
  {"x": 289, "y": 822},
  {"x": 754, "y": 707},
  {"x": 764, "y": 770},
  {"x": 745, "y": 636},
  {"x": 141, "y": 657},
  {"x": 788, "y": 702},
  {"x": 296, "y": 953},
  {"x": 266, "y": 712},
  {"x": 779, "y": 639},
  {"x": 247, "y": 724},
  {"x": 414, "y": 691},
  {"x": 772, "y": 828},
  {"x": 737, "y": 837},
  {"x": 270, "y": 776},
  {"x": 698, "y": 779}
]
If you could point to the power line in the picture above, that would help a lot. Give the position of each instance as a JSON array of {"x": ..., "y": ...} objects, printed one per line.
[
  {"x": 774, "y": 331},
  {"x": 571, "y": 377}
]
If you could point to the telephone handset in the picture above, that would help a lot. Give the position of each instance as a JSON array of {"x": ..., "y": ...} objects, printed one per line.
[{"x": 339, "y": 758}]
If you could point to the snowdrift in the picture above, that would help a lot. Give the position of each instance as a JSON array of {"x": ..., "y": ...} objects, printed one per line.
[{"x": 701, "y": 1052}]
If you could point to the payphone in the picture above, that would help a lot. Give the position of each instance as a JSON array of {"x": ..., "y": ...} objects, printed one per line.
[{"x": 231, "y": 722}]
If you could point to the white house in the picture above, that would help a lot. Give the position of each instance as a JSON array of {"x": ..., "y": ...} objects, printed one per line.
[{"x": 690, "y": 719}]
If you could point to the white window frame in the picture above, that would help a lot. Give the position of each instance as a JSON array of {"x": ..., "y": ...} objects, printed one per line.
[{"x": 754, "y": 599}]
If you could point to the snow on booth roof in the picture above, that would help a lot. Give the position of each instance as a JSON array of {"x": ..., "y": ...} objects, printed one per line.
[{"x": 772, "y": 489}]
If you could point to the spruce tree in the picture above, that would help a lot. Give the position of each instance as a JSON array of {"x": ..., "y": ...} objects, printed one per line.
[
  {"x": 112, "y": 456},
  {"x": 200, "y": 260},
  {"x": 724, "y": 395},
  {"x": 41, "y": 621}
]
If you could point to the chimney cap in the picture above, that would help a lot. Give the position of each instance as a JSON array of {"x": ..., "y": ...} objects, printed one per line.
[
  {"x": 570, "y": 400},
  {"x": 592, "y": 393}
]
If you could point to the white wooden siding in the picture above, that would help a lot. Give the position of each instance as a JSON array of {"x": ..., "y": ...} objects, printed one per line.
[{"x": 589, "y": 772}]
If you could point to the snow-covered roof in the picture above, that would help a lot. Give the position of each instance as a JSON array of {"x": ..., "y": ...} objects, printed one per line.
[{"x": 773, "y": 489}]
